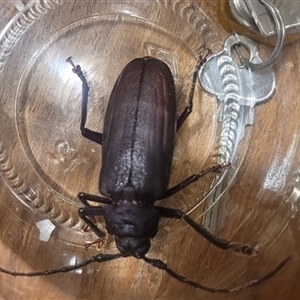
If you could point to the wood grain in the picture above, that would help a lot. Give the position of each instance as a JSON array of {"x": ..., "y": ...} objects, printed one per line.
[{"x": 256, "y": 211}]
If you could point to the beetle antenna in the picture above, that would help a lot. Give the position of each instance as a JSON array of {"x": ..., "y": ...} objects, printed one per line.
[
  {"x": 161, "y": 265},
  {"x": 96, "y": 258}
]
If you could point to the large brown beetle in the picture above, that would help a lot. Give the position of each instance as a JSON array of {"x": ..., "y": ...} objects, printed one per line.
[{"x": 137, "y": 148}]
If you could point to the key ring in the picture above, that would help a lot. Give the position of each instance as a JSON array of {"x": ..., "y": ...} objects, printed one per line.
[{"x": 280, "y": 30}]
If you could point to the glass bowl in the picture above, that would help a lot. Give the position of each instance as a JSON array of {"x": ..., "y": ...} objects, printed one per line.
[{"x": 45, "y": 162}]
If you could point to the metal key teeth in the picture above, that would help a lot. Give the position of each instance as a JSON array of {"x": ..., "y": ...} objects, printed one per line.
[{"x": 239, "y": 90}]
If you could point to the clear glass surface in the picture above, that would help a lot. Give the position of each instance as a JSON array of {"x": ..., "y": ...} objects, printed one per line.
[{"x": 45, "y": 162}]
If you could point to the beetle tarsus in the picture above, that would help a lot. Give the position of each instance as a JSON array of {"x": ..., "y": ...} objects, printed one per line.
[
  {"x": 76, "y": 68},
  {"x": 70, "y": 61},
  {"x": 99, "y": 243},
  {"x": 244, "y": 249}
]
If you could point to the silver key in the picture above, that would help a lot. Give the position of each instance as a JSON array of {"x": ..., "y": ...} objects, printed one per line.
[
  {"x": 239, "y": 89},
  {"x": 255, "y": 15}
]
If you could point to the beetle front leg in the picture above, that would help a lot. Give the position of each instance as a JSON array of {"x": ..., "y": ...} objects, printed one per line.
[
  {"x": 84, "y": 198},
  {"x": 85, "y": 213},
  {"x": 221, "y": 243},
  {"x": 87, "y": 133},
  {"x": 187, "y": 111},
  {"x": 88, "y": 212}
]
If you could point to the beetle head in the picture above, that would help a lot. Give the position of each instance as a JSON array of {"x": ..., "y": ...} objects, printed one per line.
[{"x": 129, "y": 246}]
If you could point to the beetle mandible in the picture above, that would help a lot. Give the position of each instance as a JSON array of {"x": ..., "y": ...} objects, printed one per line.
[{"x": 137, "y": 148}]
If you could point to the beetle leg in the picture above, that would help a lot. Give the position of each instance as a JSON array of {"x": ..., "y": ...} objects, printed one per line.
[
  {"x": 89, "y": 215},
  {"x": 221, "y": 243},
  {"x": 85, "y": 213},
  {"x": 173, "y": 190},
  {"x": 187, "y": 111},
  {"x": 99, "y": 243},
  {"x": 84, "y": 198},
  {"x": 87, "y": 133}
]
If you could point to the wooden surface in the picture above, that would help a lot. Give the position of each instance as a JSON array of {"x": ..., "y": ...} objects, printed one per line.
[{"x": 256, "y": 211}]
